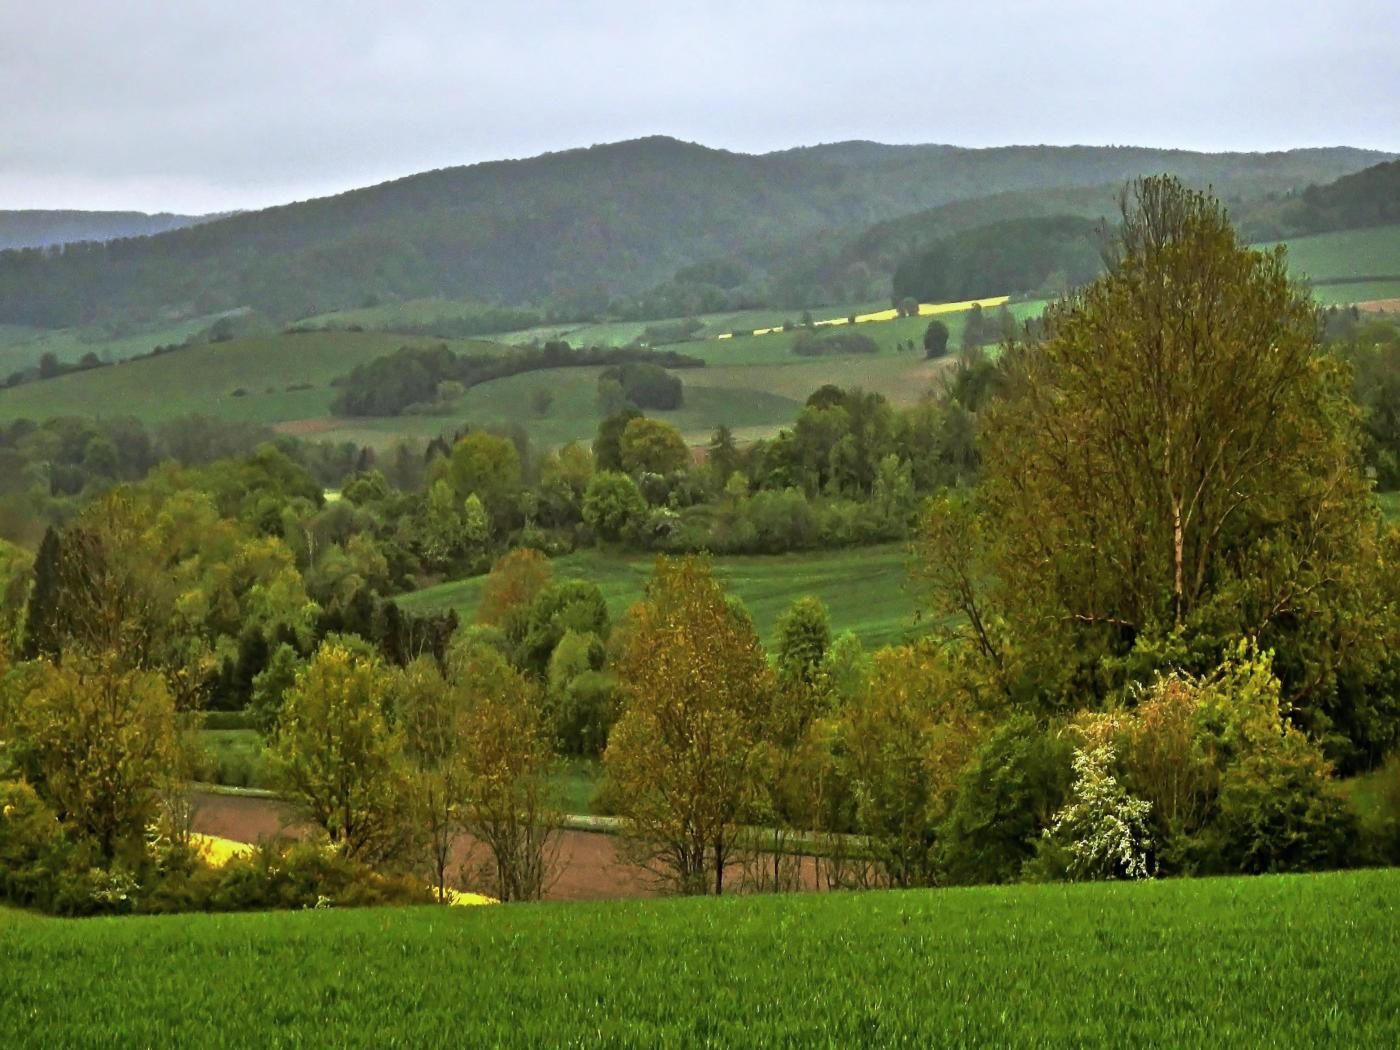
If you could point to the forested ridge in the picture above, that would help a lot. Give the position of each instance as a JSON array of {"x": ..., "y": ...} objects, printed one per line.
[{"x": 571, "y": 230}]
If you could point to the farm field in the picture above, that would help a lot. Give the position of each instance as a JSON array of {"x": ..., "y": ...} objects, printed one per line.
[
  {"x": 22, "y": 347},
  {"x": 1294, "y": 960},
  {"x": 1357, "y": 292},
  {"x": 1338, "y": 264},
  {"x": 753, "y": 384},
  {"x": 864, "y": 588},
  {"x": 203, "y": 379}
]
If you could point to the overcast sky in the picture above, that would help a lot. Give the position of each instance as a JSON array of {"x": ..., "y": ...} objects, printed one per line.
[{"x": 202, "y": 105}]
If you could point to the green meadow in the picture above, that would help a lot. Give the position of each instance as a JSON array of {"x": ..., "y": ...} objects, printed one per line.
[
  {"x": 1308, "y": 960},
  {"x": 1349, "y": 266},
  {"x": 21, "y": 347},
  {"x": 207, "y": 379},
  {"x": 865, "y": 588}
]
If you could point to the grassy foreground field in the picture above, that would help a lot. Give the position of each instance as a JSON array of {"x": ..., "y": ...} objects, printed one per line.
[
  {"x": 863, "y": 588},
  {"x": 1281, "y": 961}
]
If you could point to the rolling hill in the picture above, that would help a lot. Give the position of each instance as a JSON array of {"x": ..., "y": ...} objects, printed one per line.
[{"x": 573, "y": 228}]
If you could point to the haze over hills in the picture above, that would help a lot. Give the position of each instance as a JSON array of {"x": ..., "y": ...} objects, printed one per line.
[
  {"x": 571, "y": 230},
  {"x": 40, "y": 228}
]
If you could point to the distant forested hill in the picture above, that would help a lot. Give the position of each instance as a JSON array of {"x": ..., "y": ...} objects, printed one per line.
[
  {"x": 38, "y": 228},
  {"x": 572, "y": 229},
  {"x": 1366, "y": 198},
  {"x": 1042, "y": 255}
]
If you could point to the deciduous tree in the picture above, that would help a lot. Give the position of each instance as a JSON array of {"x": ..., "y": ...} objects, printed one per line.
[
  {"x": 681, "y": 757},
  {"x": 340, "y": 760}
]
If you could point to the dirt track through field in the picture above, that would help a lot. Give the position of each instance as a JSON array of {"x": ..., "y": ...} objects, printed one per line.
[{"x": 589, "y": 867}]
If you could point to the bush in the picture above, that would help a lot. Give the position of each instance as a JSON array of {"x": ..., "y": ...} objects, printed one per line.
[
  {"x": 1280, "y": 810},
  {"x": 585, "y": 711},
  {"x": 1012, "y": 790},
  {"x": 613, "y": 506},
  {"x": 1103, "y": 830},
  {"x": 812, "y": 342},
  {"x": 645, "y": 385},
  {"x": 32, "y": 846},
  {"x": 299, "y": 875}
]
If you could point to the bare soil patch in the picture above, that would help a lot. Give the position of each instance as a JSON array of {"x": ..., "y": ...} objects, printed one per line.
[{"x": 589, "y": 865}]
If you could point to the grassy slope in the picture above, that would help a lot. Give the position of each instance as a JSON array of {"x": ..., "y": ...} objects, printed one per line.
[
  {"x": 1333, "y": 261},
  {"x": 864, "y": 588},
  {"x": 22, "y": 347},
  {"x": 753, "y": 384},
  {"x": 1296, "y": 961},
  {"x": 202, "y": 379}
]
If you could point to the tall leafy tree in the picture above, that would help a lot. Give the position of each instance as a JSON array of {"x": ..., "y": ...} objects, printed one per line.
[
  {"x": 681, "y": 759},
  {"x": 339, "y": 758},
  {"x": 1175, "y": 465}
]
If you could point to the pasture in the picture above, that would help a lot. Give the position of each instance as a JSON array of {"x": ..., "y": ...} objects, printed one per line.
[
  {"x": 21, "y": 347},
  {"x": 206, "y": 379},
  {"x": 1349, "y": 266},
  {"x": 864, "y": 588},
  {"x": 753, "y": 384},
  {"x": 1269, "y": 961}
]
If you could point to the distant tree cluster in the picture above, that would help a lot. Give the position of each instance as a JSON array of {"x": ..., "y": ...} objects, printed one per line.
[
  {"x": 814, "y": 342},
  {"x": 419, "y": 379},
  {"x": 641, "y": 385}
]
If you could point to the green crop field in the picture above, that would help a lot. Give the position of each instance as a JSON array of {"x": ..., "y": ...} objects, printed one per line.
[
  {"x": 1271, "y": 961},
  {"x": 22, "y": 347},
  {"x": 1337, "y": 262},
  {"x": 864, "y": 588},
  {"x": 619, "y": 333},
  {"x": 753, "y": 385},
  {"x": 204, "y": 378}
]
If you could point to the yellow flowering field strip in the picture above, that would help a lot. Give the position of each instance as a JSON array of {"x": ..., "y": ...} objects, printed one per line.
[
  {"x": 925, "y": 310},
  {"x": 217, "y": 851}
]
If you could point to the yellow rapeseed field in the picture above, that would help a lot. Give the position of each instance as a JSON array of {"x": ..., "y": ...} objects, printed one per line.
[
  {"x": 217, "y": 851},
  {"x": 925, "y": 310}
]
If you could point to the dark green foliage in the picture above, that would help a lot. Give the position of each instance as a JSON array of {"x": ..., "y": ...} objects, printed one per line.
[
  {"x": 581, "y": 227},
  {"x": 607, "y": 446},
  {"x": 1021, "y": 255},
  {"x": 935, "y": 339},
  {"x": 613, "y": 506},
  {"x": 1279, "y": 810},
  {"x": 32, "y": 846},
  {"x": 802, "y": 640},
  {"x": 1370, "y": 197},
  {"x": 645, "y": 385},
  {"x": 1372, "y": 348},
  {"x": 42, "y": 228},
  {"x": 1005, "y": 799},
  {"x": 584, "y": 712},
  {"x": 571, "y": 605},
  {"x": 814, "y": 342},
  {"x": 412, "y": 379}
]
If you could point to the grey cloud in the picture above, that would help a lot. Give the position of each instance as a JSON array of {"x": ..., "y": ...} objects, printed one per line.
[{"x": 202, "y": 105}]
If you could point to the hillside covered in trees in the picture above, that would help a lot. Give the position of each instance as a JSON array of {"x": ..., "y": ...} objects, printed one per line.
[
  {"x": 574, "y": 230},
  {"x": 40, "y": 228}
]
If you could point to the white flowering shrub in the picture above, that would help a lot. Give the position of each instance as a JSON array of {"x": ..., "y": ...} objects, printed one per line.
[{"x": 1103, "y": 828}]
